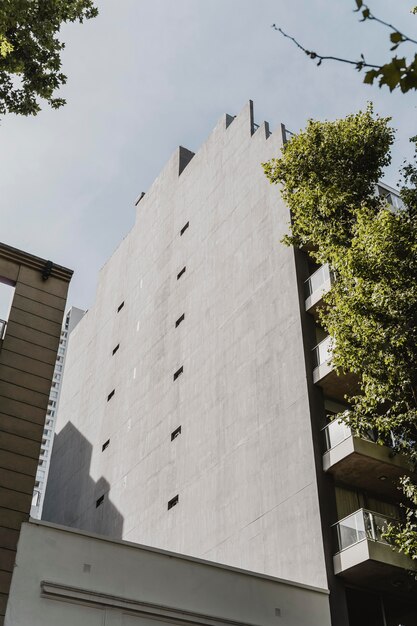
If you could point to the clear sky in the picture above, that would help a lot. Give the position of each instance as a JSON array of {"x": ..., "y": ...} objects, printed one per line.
[{"x": 148, "y": 75}]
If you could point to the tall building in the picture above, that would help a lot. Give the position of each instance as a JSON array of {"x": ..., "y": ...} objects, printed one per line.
[
  {"x": 195, "y": 407},
  {"x": 71, "y": 320},
  {"x": 29, "y": 341}
]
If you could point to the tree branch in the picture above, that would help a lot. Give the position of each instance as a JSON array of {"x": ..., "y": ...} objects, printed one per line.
[
  {"x": 314, "y": 55},
  {"x": 370, "y": 16}
]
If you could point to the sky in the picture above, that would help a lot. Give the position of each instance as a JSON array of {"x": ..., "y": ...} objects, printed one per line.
[{"x": 149, "y": 75}]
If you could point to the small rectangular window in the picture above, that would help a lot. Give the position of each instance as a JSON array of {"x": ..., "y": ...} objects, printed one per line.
[
  {"x": 111, "y": 394},
  {"x": 178, "y": 372},
  {"x": 105, "y": 445},
  {"x": 120, "y": 307},
  {"x": 116, "y": 348},
  {"x": 181, "y": 273},
  {"x": 184, "y": 228},
  {"x": 179, "y": 320},
  {"x": 173, "y": 502},
  {"x": 99, "y": 501},
  {"x": 175, "y": 433}
]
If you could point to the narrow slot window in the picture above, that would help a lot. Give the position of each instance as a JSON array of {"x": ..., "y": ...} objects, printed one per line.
[
  {"x": 181, "y": 272},
  {"x": 116, "y": 349},
  {"x": 179, "y": 320},
  {"x": 99, "y": 501},
  {"x": 120, "y": 307},
  {"x": 184, "y": 228},
  {"x": 111, "y": 394},
  {"x": 175, "y": 433},
  {"x": 172, "y": 502},
  {"x": 178, "y": 372},
  {"x": 105, "y": 445}
]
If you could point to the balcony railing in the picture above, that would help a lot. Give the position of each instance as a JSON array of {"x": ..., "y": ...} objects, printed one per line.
[
  {"x": 322, "y": 352},
  {"x": 3, "y": 325},
  {"x": 391, "y": 197},
  {"x": 361, "y": 525},
  {"x": 319, "y": 281},
  {"x": 337, "y": 431}
]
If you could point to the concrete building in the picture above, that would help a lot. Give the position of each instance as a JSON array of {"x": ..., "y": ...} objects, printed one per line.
[
  {"x": 197, "y": 394},
  {"x": 71, "y": 320},
  {"x": 28, "y": 346},
  {"x": 68, "y": 577}
]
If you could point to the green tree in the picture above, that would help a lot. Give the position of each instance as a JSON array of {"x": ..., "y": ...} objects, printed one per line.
[
  {"x": 398, "y": 72},
  {"x": 328, "y": 175},
  {"x": 30, "y": 61}
]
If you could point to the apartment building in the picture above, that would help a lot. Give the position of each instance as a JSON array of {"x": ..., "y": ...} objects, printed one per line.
[
  {"x": 29, "y": 340},
  {"x": 195, "y": 409},
  {"x": 71, "y": 320}
]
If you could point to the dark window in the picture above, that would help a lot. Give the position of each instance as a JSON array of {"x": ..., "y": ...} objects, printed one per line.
[
  {"x": 175, "y": 433},
  {"x": 172, "y": 502},
  {"x": 181, "y": 273},
  {"x": 120, "y": 307},
  {"x": 178, "y": 372},
  {"x": 99, "y": 501},
  {"x": 116, "y": 348},
  {"x": 179, "y": 320},
  {"x": 184, "y": 228},
  {"x": 111, "y": 394},
  {"x": 105, "y": 445}
]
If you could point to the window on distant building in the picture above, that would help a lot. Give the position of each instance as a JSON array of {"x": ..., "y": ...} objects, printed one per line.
[{"x": 175, "y": 433}]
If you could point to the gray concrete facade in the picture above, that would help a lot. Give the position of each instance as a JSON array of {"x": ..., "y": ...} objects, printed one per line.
[
  {"x": 243, "y": 465},
  {"x": 67, "y": 577}
]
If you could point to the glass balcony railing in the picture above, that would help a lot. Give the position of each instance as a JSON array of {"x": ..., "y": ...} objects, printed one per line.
[
  {"x": 362, "y": 524},
  {"x": 322, "y": 352},
  {"x": 319, "y": 281},
  {"x": 3, "y": 325},
  {"x": 391, "y": 197},
  {"x": 335, "y": 432}
]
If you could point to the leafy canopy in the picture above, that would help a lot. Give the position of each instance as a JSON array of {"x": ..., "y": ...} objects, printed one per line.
[
  {"x": 30, "y": 61},
  {"x": 328, "y": 174}
]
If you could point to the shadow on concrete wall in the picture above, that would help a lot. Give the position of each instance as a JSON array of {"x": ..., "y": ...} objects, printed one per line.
[{"x": 73, "y": 498}]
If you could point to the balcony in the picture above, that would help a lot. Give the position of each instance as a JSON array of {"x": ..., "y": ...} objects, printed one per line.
[
  {"x": 361, "y": 462},
  {"x": 363, "y": 556},
  {"x": 3, "y": 325},
  {"x": 316, "y": 286},
  {"x": 391, "y": 196},
  {"x": 325, "y": 376}
]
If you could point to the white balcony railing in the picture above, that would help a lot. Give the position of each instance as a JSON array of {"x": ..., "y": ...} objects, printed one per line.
[
  {"x": 322, "y": 352},
  {"x": 361, "y": 525}
]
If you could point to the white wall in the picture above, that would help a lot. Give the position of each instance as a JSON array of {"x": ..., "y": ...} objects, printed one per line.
[{"x": 64, "y": 577}]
